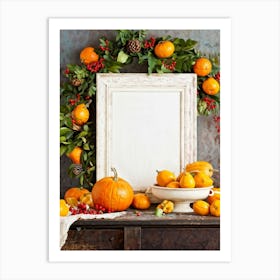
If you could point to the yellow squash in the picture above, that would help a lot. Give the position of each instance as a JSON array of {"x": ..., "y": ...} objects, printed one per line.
[{"x": 200, "y": 166}]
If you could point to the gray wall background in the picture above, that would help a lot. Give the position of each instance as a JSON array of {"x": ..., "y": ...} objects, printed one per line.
[{"x": 73, "y": 41}]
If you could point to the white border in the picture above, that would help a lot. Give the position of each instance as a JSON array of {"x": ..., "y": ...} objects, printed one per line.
[{"x": 55, "y": 25}]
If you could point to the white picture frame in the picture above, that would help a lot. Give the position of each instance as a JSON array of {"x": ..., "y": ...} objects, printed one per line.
[{"x": 145, "y": 123}]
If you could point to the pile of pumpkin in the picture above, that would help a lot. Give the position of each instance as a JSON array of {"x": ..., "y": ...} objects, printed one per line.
[
  {"x": 112, "y": 194},
  {"x": 195, "y": 175},
  {"x": 109, "y": 194}
]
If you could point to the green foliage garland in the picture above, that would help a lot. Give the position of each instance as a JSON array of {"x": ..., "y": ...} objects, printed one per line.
[{"x": 80, "y": 87}]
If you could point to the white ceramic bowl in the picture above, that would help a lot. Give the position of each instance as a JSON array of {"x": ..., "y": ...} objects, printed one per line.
[{"x": 182, "y": 197}]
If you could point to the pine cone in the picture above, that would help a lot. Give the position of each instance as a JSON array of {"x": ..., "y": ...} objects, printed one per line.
[
  {"x": 76, "y": 82},
  {"x": 77, "y": 169},
  {"x": 133, "y": 46}
]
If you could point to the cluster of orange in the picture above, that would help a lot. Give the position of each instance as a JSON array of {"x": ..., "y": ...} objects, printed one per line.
[
  {"x": 211, "y": 205},
  {"x": 202, "y": 68}
]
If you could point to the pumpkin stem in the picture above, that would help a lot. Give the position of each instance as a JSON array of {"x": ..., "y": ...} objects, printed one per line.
[{"x": 115, "y": 174}]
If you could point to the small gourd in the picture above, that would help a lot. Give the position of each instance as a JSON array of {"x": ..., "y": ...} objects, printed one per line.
[
  {"x": 166, "y": 207},
  {"x": 187, "y": 180},
  {"x": 202, "y": 180},
  {"x": 200, "y": 166}
]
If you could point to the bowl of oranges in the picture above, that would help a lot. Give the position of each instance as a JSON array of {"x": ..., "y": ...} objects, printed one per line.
[{"x": 192, "y": 184}]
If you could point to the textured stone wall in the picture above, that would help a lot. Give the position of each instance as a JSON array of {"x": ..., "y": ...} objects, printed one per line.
[{"x": 73, "y": 41}]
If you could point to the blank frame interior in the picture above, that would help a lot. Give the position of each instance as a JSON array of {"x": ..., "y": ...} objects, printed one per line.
[{"x": 145, "y": 123}]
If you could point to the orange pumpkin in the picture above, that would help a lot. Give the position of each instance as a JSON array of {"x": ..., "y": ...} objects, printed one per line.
[
  {"x": 164, "y": 177},
  {"x": 201, "y": 207},
  {"x": 216, "y": 195},
  {"x": 215, "y": 208},
  {"x": 113, "y": 193},
  {"x": 75, "y": 192},
  {"x": 141, "y": 201}
]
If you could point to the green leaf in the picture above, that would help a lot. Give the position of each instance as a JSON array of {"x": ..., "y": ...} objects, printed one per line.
[
  {"x": 64, "y": 131},
  {"x": 86, "y": 147},
  {"x": 62, "y": 150},
  {"x": 152, "y": 63},
  {"x": 62, "y": 139},
  {"x": 82, "y": 180},
  {"x": 85, "y": 127},
  {"x": 82, "y": 134},
  {"x": 85, "y": 156}
]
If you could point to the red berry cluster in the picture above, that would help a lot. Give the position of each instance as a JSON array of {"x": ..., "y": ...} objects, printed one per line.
[
  {"x": 74, "y": 101},
  {"x": 217, "y": 121},
  {"x": 217, "y": 76},
  {"x": 211, "y": 104},
  {"x": 148, "y": 44},
  {"x": 83, "y": 208},
  {"x": 106, "y": 47},
  {"x": 67, "y": 71},
  {"x": 96, "y": 66},
  {"x": 170, "y": 66}
]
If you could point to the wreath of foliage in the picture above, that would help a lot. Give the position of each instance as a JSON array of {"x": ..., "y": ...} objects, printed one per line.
[{"x": 80, "y": 87}]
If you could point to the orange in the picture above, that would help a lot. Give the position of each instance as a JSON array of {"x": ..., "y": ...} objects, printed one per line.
[
  {"x": 202, "y": 180},
  {"x": 64, "y": 209},
  {"x": 211, "y": 86},
  {"x": 88, "y": 55},
  {"x": 215, "y": 208},
  {"x": 201, "y": 207},
  {"x": 187, "y": 180},
  {"x": 173, "y": 184},
  {"x": 75, "y": 155},
  {"x": 75, "y": 192},
  {"x": 202, "y": 66},
  {"x": 164, "y": 177},
  {"x": 164, "y": 49},
  {"x": 141, "y": 201},
  {"x": 80, "y": 114},
  {"x": 87, "y": 199},
  {"x": 215, "y": 196}
]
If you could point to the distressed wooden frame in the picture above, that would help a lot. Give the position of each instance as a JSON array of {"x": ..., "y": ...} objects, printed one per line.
[{"x": 183, "y": 86}]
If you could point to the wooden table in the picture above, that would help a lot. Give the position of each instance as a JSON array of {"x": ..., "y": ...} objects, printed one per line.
[{"x": 145, "y": 231}]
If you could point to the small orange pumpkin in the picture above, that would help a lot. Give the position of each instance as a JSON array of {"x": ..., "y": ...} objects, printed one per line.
[
  {"x": 201, "y": 207},
  {"x": 75, "y": 192},
  {"x": 215, "y": 208},
  {"x": 141, "y": 201},
  {"x": 215, "y": 196},
  {"x": 113, "y": 193},
  {"x": 164, "y": 177}
]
